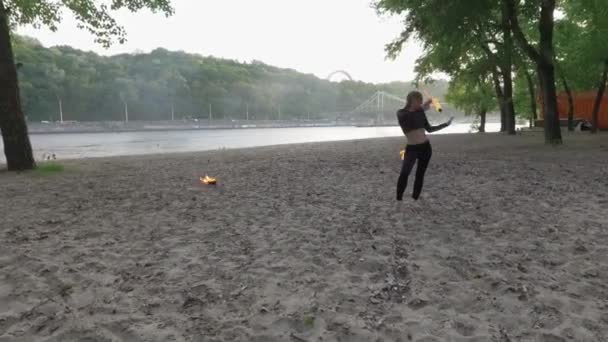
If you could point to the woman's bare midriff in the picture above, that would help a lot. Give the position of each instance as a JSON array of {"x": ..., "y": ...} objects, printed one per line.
[{"x": 417, "y": 136}]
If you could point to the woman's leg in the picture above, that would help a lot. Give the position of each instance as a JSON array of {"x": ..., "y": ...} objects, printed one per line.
[
  {"x": 406, "y": 168},
  {"x": 424, "y": 157}
]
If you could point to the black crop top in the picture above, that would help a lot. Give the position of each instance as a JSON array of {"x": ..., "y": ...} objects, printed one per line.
[{"x": 410, "y": 121}]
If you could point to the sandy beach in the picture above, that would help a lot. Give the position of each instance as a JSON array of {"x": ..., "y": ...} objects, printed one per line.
[{"x": 307, "y": 243}]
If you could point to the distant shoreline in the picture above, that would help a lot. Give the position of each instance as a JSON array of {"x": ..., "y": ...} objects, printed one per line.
[
  {"x": 102, "y": 127},
  {"x": 173, "y": 129},
  {"x": 171, "y": 126}
]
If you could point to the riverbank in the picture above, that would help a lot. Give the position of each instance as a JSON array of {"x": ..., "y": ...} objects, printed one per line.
[
  {"x": 75, "y": 127},
  {"x": 78, "y": 146},
  {"x": 170, "y": 126},
  {"x": 304, "y": 242}
]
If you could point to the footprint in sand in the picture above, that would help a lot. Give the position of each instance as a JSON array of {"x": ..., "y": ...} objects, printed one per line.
[
  {"x": 122, "y": 332},
  {"x": 546, "y": 317},
  {"x": 550, "y": 338},
  {"x": 82, "y": 336},
  {"x": 428, "y": 339},
  {"x": 265, "y": 338},
  {"x": 464, "y": 329}
]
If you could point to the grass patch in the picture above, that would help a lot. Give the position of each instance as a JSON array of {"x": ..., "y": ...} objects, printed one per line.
[{"x": 49, "y": 168}]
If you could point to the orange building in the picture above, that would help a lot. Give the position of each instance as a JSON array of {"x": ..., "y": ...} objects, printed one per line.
[{"x": 583, "y": 107}]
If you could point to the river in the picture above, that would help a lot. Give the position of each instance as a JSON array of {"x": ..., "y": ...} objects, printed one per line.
[{"x": 76, "y": 146}]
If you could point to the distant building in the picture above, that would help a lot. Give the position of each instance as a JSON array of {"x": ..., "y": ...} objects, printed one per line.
[{"x": 583, "y": 108}]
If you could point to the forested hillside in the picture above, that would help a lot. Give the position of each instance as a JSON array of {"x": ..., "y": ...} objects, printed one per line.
[{"x": 93, "y": 87}]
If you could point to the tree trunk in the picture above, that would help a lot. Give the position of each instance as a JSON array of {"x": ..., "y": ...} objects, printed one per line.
[
  {"x": 503, "y": 115},
  {"x": 532, "y": 91},
  {"x": 599, "y": 97},
  {"x": 507, "y": 71},
  {"x": 482, "y": 121},
  {"x": 501, "y": 101},
  {"x": 553, "y": 134},
  {"x": 544, "y": 59},
  {"x": 17, "y": 147},
  {"x": 570, "y": 103},
  {"x": 508, "y": 102}
]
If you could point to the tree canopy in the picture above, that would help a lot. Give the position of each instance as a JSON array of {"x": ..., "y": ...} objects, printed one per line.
[
  {"x": 540, "y": 42},
  {"x": 91, "y": 15},
  {"x": 458, "y": 36},
  {"x": 472, "y": 95}
]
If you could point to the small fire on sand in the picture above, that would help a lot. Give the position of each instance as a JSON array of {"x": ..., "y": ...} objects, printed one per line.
[{"x": 208, "y": 180}]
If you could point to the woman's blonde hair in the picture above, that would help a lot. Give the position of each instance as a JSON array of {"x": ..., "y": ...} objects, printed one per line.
[{"x": 413, "y": 95}]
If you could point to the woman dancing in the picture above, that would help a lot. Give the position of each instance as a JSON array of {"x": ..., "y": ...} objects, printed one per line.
[{"x": 414, "y": 124}]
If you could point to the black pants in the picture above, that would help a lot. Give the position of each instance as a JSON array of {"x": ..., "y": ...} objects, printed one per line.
[{"x": 421, "y": 153}]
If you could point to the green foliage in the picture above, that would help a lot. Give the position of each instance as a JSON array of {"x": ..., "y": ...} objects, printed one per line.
[
  {"x": 581, "y": 46},
  {"x": 461, "y": 38},
  {"x": 464, "y": 38},
  {"x": 92, "y": 87},
  {"x": 472, "y": 95},
  {"x": 438, "y": 24},
  {"x": 581, "y": 40},
  {"x": 92, "y": 15}
]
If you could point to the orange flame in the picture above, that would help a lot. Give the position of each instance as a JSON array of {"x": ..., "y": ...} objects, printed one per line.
[
  {"x": 437, "y": 105},
  {"x": 208, "y": 180},
  {"x": 435, "y": 102}
]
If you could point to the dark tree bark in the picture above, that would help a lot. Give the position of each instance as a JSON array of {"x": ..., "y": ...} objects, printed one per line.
[
  {"x": 502, "y": 70},
  {"x": 598, "y": 99},
  {"x": 17, "y": 147},
  {"x": 508, "y": 103},
  {"x": 501, "y": 101},
  {"x": 482, "y": 121},
  {"x": 504, "y": 92},
  {"x": 532, "y": 92},
  {"x": 552, "y": 127},
  {"x": 543, "y": 57},
  {"x": 570, "y": 102},
  {"x": 507, "y": 71}
]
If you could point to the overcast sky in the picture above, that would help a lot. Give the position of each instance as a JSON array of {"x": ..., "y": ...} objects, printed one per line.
[{"x": 313, "y": 36}]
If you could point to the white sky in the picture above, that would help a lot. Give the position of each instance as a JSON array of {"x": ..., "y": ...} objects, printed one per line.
[{"x": 313, "y": 36}]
